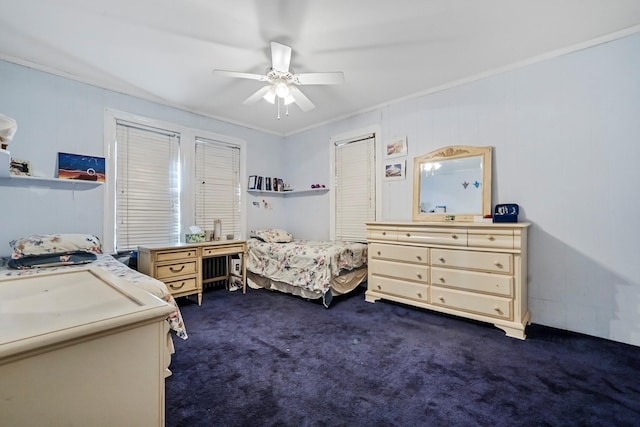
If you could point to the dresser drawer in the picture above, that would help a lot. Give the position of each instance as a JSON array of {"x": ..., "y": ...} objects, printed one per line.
[
  {"x": 176, "y": 270},
  {"x": 175, "y": 255},
  {"x": 389, "y": 286},
  {"x": 501, "y": 308},
  {"x": 212, "y": 251},
  {"x": 414, "y": 272},
  {"x": 473, "y": 260},
  {"x": 502, "y": 239},
  {"x": 499, "y": 284},
  {"x": 382, "y": 234},
  {"x": 185, "y": 285},
  {"x": 444, "y": 237},
  {"x": 399, "y": 253}
]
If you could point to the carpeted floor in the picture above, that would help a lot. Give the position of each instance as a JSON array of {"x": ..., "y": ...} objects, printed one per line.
[{"x": 270, "y": 359}]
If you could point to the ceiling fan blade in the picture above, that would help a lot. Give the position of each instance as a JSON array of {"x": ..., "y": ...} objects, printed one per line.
[
  {"x": 332, "y": 78},
  {"x": 300, "y": 98},
  {"x": 257, "y": 96},
  {"x": 241, "y": 75},
  {"x": 280, "y": 57}
]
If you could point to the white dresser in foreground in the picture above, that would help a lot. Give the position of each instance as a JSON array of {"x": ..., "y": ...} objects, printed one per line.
[
  {"x": 81, "y": 348},
  {"x": 473, "y": 270}
]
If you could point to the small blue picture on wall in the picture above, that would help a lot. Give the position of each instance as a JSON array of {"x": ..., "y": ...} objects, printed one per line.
[{"x": 76, "y": 166}]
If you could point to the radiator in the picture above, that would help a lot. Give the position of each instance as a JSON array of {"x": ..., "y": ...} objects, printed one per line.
[{"x": 215, "y": 271}]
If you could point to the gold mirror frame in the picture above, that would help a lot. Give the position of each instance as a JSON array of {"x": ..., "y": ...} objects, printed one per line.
[{"x": 450, "y": 153}]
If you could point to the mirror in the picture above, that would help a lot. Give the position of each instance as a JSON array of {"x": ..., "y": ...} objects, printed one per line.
[{"x": 452, "y": 184}]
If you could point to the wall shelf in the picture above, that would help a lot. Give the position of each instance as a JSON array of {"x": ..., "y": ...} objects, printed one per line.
[
  {"x": 286, "y": 193},
  {"x": 35, "y": 181},
  {"x": 8, "y": 180}
]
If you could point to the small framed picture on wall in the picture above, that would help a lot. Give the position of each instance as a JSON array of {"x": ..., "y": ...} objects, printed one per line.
[
  {"x": 397, "y": 147},
  {"x": 395, "y": 170}
]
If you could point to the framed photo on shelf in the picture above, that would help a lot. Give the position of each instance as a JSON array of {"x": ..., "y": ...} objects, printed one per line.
[
  {"x": 396, "y": 147},
  {"x": 76, "y": 166},
  {"x": 267, "y": 183},
  {"x": 252, "y": 182},
  {"x": 20, "y": 167},
  {"x": 395, "y": 171}
]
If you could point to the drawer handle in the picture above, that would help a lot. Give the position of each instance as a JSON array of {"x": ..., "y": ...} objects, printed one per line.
[
  {"x": 172, "y": 286},
  {"x": 497, "y": 264},
  {"x": 497, "y": 309},
  {"x": 491, "y": 238},
  {"x": 441, "y": 279},
  {"x": 379, "y": 253},
  {"x": 419, "y": 276},
  {"x": 176, "y": 271},
  {"x": 384, "y": 233},
  {"x": 441, "y": 299},
  {"x": 188, "y": 253},
  {"x": 419, "y": 295},
  {"x": 408, "y": 234},
  {"x": 419, "y": 257},
  {"x": 379, "y": 287},
  {"x": 442, "y": 260},
  {"x": 454, "y": 237}
]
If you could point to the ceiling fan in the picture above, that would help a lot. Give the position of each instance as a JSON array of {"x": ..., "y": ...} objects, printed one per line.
[{"x": 282, "y": 82}]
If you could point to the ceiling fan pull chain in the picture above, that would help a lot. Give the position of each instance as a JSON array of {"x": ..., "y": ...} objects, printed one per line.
[{"x": 278, "y": 102}]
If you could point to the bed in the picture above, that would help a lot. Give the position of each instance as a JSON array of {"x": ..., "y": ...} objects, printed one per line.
[
  {"x": 311, "y": 269},
  {"x": 42, "y": 254}
]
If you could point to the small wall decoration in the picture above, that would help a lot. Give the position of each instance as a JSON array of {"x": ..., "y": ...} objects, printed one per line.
[
  {"x": 75, "y": 166},
  {"x": 20, "y": 167},
  {"x": 396, "y": 148},
  {"x": 395, "y": 170}
]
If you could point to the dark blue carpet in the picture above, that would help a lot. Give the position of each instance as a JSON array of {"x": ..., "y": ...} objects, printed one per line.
[{"x": 270, "y": 359}]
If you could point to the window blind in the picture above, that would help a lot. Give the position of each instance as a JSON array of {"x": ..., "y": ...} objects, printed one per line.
[
  {"x": 147, "y": 186},
  {"x": 355, "y": 193},
  {"x": 217, "y": 189}
]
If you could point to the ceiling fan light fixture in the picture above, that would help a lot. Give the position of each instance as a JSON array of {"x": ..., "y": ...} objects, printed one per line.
[{"x": 282, "y": 89}]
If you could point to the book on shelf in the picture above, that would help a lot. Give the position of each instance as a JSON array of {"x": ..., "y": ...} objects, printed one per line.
[{"x": 252, "y": 182}]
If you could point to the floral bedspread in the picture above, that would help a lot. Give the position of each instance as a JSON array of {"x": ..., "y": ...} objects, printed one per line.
[
  {"x": 149, "y": 284},
  {"x": 309, "y": 264}
]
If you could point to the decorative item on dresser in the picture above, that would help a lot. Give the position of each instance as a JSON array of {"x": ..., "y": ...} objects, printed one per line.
[
  {"x": 180, "y": 265},
  {"x": 473, "y": 270}
]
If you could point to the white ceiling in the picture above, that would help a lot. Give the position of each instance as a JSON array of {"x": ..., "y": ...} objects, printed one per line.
[{"x": 165, "y": 50}]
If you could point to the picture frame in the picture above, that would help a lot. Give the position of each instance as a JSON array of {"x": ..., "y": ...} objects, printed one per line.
[
  {"x": 395, "y": 170},
  {"x": 20, "y": 167},
  {"x": 397, "y": 147},
  {"x": 253, "y": 179},
  {"x": 81, "y": 167}
]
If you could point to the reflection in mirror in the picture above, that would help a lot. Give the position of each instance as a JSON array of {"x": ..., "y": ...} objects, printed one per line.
[{"x": 452, "y": 184}]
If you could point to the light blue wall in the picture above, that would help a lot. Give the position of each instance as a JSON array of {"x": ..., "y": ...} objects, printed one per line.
[
  {"x": 55, "y": 114},
  {"x": 566, "y": 138}
]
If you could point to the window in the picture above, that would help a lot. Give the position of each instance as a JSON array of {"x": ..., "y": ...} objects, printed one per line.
[
  {"x": 354, "y": 183},
  {"x": 217, "y": 185},
  {"x": 163, "y": 178},
  {"x": 147, "y": 186}
]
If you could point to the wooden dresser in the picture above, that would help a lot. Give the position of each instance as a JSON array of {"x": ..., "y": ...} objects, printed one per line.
[
  {"x": 179, "y": 266},
  {"x": 82, "y": 347},
  {"x": 473, "y": 270}
]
